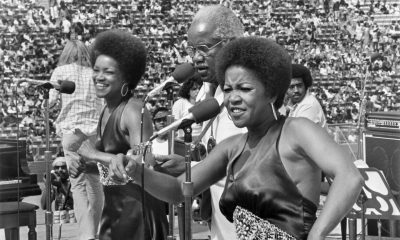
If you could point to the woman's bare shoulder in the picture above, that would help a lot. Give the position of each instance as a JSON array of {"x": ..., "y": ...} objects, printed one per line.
[{"x": 296, "y": 125}]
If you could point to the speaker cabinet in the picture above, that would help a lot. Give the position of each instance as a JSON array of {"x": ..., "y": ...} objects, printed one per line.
[{"x": 381, "y": 150}]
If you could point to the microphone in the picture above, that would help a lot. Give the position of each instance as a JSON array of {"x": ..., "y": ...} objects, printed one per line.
[
  {"x": 200, "y": 112},
  {"x": 63, "y": 86},
  {"x": 180, "y": 74}
]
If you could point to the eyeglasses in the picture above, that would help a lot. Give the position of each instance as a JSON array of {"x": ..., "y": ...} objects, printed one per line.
[
  {"x": 163, "y": 119},
  {"x": 202, "y": 49},
  {"x": 60, "y": 167}
]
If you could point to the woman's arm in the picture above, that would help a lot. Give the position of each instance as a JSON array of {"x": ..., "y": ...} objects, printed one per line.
[
  {"x": 338, "y": 165},
  {"x": 130, "y": 125},
  {"x": 168, "y": 188},
  {"x": 89, "y": 153}
]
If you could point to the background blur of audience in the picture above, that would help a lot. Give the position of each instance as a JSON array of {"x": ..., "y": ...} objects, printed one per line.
[{"x": 351, "y": 47}]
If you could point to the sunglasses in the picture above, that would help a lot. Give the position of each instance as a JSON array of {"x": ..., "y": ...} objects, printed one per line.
[
  {"x": 60, "y": 167},
  {"x": 163, "y": 119}
]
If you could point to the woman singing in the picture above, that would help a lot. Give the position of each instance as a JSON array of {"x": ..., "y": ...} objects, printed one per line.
[
  {"x": 274, "y": 170},
  {"x": 119, "y": 63}
]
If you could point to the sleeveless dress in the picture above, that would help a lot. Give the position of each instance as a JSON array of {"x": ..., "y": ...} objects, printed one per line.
[
  {"x": 122, "y": 216},
  {"x": 260, "y": 198}
]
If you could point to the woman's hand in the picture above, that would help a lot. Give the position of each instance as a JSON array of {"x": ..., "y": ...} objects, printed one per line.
[
  {"x": 173, "y": 164},
  {"x": 87, "y": 151},
  {"x": 132, "y": 164},
  {"x": 76, "y": 167},
  {"x": 117, "y": 168}
]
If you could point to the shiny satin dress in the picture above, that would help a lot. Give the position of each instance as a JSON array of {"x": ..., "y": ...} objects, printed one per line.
[
  {"x": 122, "y": 216},
  {"x": 260, "y": 198}
]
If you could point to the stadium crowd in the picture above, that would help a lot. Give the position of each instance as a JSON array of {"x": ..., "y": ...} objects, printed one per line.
[{"x": 351, "y": 47}]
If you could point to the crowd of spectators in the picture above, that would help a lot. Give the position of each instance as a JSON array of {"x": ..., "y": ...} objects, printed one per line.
[{"x": 351, "y": 46}]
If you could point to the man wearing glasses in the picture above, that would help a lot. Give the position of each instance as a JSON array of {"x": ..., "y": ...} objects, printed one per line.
[
  {"x": 211, "y": 28},
  {"x": 60, "y": 187}
]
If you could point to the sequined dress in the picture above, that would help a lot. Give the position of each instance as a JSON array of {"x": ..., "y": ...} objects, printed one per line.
[
  {"x": 260, "y": 198},
  {"x": 122, "y": 216}
]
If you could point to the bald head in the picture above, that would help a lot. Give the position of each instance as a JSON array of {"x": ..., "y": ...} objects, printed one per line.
[{"x": 218, "y": 20}]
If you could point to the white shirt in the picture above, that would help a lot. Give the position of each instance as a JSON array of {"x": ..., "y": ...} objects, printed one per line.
[
  {"x": 81, "y": 109},
  {"x": 180, "y": 109},
  {"x": 160, "y": 147},
  {"x": 309, "y": 108},
  {"x": 223, "y": 127}
]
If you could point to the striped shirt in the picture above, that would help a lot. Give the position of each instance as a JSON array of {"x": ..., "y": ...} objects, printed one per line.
[{"x": 81, "y": 109}]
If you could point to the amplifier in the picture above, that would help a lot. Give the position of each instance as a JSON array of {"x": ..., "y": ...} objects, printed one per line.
[
  {"x": 383, "y": 121},
  {"x": 382, "y": 151}
]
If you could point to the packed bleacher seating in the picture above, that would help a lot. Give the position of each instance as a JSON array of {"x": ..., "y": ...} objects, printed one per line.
[{"x": 351, "y": 46}]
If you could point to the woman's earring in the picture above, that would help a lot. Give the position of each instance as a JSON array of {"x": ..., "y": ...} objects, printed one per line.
[
  {"x": 124, "y": 90},
  {"x": 273, "y": 111}
]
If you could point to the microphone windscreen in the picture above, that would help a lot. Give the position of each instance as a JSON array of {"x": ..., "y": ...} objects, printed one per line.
[
  {"x": 183, "y": 72},
  {"x": 205, "y": 110},
  {"x": 67, "y": 87}
]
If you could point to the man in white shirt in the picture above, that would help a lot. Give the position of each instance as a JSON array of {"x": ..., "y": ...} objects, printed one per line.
[{"x": 301, "y": 102}]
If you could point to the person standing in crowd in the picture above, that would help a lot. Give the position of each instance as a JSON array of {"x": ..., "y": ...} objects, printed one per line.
[
  {"x": 75, "y": 124},
  {"x": 160, "y": 144},
  {"x": 61, "y": 187},
  {"x": 119, "y": 62},
  {"x": 301, "y": 103},
  {"x": 273, "y": 171},
  {"x": 187, "y": 93},
  {"x": 212, "y": 27}
]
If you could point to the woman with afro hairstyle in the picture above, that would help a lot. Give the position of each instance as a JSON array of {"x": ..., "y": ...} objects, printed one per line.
[
  {"x": 273, "y": 171},
  {"x": 119, "y": 61}
]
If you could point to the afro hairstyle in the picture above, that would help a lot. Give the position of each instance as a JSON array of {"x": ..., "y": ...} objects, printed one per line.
[
  {"x": 127, "y": 50},
  {"x": 264, "y": 58},
  {"x": 184, "y": 91},
  {"x": 300, "y": 71}
]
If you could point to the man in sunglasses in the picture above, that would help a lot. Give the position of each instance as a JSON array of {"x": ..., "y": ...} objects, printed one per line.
[
  {"x": 60, "y": 186},
  {"x": 211, "y": 28}
]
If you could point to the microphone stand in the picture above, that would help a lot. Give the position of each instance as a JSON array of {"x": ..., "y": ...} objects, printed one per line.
[
  {"x": 171, "y": 213},
  {"x": 363, "y": 200},
  {"x": 48, "y": 156},
  {"x": 171, "y": 141},
  {"x": 188, "y": 184}
]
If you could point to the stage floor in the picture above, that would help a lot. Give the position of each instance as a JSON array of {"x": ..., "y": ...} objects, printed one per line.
[{"x": 69, "y": 230}]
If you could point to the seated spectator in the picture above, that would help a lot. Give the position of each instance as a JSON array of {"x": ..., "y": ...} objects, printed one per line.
[{"x": 60, "y": 187}]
